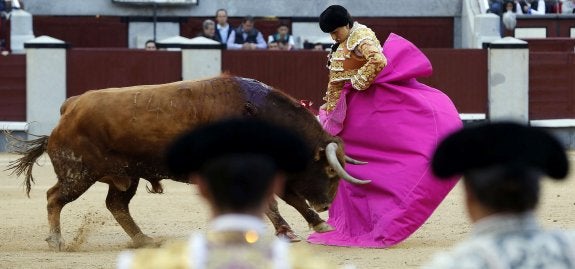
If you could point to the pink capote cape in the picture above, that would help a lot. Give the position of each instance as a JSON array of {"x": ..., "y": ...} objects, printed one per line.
[{"x": 395, "y": 126}]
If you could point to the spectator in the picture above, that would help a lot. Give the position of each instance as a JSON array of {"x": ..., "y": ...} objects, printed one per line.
[
  {"x": 237, "y": 165},
  {"x": 510, "y": 5},
  {"x": 3, "y": 19},
  {"x": 209, "y": 30},
  {"x": 313, "y": 46},
  {"x": 534, "y": 7},
  {"x": 246, "y": 37},
  {"x": 318, "y": 46},
  {"x": 568, "y": 7},
  {"x": 502, "y": 164},
  {"x": 282, "y": 38},
  {"x": 151, "y": 45},
  {"x": 273, "y": 45},
  {"x": 509, "y": 18},
  {"x": 550, "y": 6},
  {"x": 14, "y": 4},
  {"x": 496, "y": 7},
  {"x": 224, "y": 29}
]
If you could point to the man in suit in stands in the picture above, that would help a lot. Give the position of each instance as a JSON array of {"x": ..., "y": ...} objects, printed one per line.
[
  {"x": 246, "y": 37},
  {"x": 223, "y": 28}
]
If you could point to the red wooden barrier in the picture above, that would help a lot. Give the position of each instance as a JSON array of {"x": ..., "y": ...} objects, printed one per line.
[
  {"x": 84, "y": 31},
  {"x": 461, "y": 74},
  {"x": 556, "y": 25},
  {"x": 551, "y": 85},
  {"x": 564, "y": 44},
  {"x": 13, "y": 88},
  {"x": 302, "y": 74},
  {"x": 90, "y": 69}
]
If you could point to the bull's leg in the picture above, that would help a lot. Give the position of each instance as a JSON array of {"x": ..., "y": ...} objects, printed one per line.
[
  {"x": 280, "y": 224},
  {"x": 58, "y": 197},
  {"x": 117, "y": 202},
  {"x": 312, "y": 218}
]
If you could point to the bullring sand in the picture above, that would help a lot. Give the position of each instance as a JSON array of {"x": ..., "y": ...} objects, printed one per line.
[{"x": 94, "y": 239}]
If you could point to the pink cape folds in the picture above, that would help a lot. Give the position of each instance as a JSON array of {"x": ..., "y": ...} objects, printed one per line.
[{"x": 395, "y": 126}]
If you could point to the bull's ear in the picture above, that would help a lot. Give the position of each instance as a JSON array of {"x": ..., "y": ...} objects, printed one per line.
[{"x": 318, "y": 153}]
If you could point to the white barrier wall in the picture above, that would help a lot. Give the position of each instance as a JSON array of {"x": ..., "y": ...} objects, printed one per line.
[
  {"x": 508, "y": 81},
  {"x": 487, "y": 29},
  {"x": 21, "y": 30},
  {"x": 140, "y": 32},
  {"x": 201, "y": 57},
  {"x": 45, "y": 83}
]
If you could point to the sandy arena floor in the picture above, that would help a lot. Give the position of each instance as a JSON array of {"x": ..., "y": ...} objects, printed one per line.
[{"x": 93, "y": 238}]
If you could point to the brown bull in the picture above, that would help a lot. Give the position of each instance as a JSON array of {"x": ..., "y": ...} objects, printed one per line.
[{"x": 119, "y": 135}]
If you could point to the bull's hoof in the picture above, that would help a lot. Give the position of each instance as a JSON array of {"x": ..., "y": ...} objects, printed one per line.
[
  {"x": 142, "y": 240},
  {"x": 287, "y": 233},
  {"x": 55, "y": 242},
  {"x": 323, "y": 227},
  {"x": 290, "y": 236}
]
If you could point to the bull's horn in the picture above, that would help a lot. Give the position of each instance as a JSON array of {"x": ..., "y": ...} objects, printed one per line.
[
  {"x": 330, "y": 153},
  {"x": 353, "y": 161}
]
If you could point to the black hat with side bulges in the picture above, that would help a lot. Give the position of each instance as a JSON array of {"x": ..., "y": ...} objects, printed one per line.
[
  {"x": 333, "y": 17},
  {"x": 508, "y": 145},
  {"x": 234, "y": 137}
]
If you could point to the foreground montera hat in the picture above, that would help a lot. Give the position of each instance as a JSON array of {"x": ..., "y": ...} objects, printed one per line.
[
  {"x": 191, "y": 151},
  {"x": 500, "y": 144}
]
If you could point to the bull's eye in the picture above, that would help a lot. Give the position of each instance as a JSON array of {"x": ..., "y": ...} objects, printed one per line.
[{"x": 330, "y": 171}]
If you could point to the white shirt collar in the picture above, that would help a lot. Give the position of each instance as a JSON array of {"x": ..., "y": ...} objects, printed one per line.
[{"x": 237, "y": 222}]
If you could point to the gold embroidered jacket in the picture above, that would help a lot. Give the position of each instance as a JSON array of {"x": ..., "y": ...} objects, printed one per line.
[
  {"x": 358, "y": 59},
  {"x": 225, "y": 250}
]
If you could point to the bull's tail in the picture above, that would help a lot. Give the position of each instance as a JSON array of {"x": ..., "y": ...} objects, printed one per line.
[{"x": 31, "y": 151}]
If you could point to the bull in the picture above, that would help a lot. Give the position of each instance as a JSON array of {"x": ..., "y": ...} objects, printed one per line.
[{"x": 118, "y": 136}]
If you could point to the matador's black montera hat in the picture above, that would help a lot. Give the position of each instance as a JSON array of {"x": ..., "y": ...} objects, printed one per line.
[{"x": 333, "y": 17}]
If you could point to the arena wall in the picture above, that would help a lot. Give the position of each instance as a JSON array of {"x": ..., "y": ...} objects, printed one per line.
[{"x": 285, "y": 8}]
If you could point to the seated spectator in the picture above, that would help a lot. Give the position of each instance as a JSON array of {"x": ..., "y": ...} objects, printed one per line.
[
  {"x": 150, "y": 45},
  {"x": 496, "y": 7},
  {"x": 533, "y": 7},
  {"x": 209, "y": 30},
  {"x": 273, "y": 46},
  {"x": 502, "y": 164},
  {"x": 568, "y": 7},
  {"x": 550, "y": 6},
  {"x": 318, "y": 46},
  {"x": 313, "y": 46},
  {"x": 238, "y": 165},
  {"x": 509, "y": 17},
  {"x": 510, "y": 5},
  {"x": 3, "y": 21},
  {"x": 223, "y": 28},
  {"x": 14, "y": 4},
  {"x": 282, "y": 37},
  {"x": 246, "y": 36}
]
